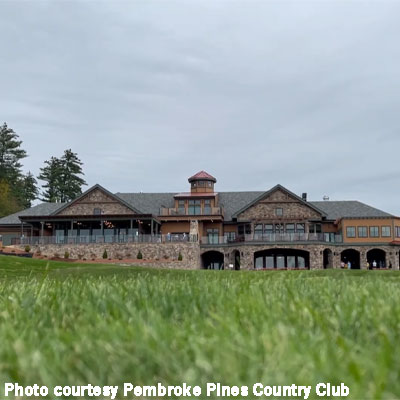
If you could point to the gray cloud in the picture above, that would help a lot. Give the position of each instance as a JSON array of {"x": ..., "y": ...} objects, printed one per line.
[{"x": 257, "y": 93}]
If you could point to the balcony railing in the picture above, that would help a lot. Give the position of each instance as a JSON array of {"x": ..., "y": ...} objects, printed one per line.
[
  {"x": 164, "y": 211},
  {"x": 275, "y": 238},
  {"x": 72, "y": 240}
]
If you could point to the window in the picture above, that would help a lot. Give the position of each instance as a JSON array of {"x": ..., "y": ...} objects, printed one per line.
[
  {"x": 269, "y": 262},
  {"x": 374, "y": 231},
  {"x": 300, "y": 228},
  {"x": 397, "y": 231},
  {"x": 289, "y": 228},
  {"x": 207, "y": 207},
  {"x": 194, "y": 207},
  {"x": 279, "y": 228},
  {"x": 181, "y": 207},
  {"x": 230, "y": 236},
  {"x": 351, "y": 231},
  {"x": 279, "y": 212},
  {"x": 97, "y": 211},
  {"x": 268, "y": 229},
  {"x": 258, "y": 229},
  {"x": 212, "y": 235},
  {"x": 362, "y": 232},
  {"x": 386, "y": 231},
  {"x": 315, "y": 228}
]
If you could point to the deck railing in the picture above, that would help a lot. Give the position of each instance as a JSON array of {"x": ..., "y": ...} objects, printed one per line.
[
  {"x": 165, "y": 212},
  {"x": 274, "y": 238},
  {"x": 90, "y": 239}
]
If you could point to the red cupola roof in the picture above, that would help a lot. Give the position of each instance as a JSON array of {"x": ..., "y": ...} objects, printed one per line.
[{"x": 202, "y": 176}]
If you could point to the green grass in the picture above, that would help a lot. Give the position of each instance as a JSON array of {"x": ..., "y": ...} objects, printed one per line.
[{"x": 73, "y": 324}]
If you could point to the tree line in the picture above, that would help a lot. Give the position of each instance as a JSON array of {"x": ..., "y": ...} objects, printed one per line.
[{"x": 62, "y": 176}]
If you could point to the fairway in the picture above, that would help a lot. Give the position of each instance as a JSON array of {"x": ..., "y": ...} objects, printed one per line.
[{"x": 72, "y": 324}]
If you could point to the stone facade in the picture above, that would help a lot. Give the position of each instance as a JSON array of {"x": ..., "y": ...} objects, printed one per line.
[
  {"x": 166, "y": 254},
  {"x": 265, "y": 209},
  {"x": 96, "y": 199},
  {"x": 316, "y": 252}
]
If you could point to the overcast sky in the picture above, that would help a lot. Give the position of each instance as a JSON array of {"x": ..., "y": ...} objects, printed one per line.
[{"x": 305, "y": 94}]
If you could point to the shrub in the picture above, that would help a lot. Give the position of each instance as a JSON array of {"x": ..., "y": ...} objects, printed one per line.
[
  {"x": 105, "y": 255},
  {"x": 139, "y": 255},
  {"x": 80, "y": 256},
  {"x": 66, "y": 255},
  {"x": 56, "y": 255},
  {"x": 180, "y": 258},
  {"x": 27, "y": 248}
]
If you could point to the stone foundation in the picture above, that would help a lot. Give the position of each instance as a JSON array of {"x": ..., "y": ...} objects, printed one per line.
[{"x": 162, "y": 254}]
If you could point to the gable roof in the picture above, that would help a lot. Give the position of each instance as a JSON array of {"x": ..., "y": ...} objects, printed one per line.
[
  {"x": 93, "y": 188},
  {"x": 350, "y": 209},
  {"x": 274, "y": 189}
]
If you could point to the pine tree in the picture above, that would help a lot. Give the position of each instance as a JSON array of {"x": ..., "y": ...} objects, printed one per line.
[
  {"x": 62, "y": 177},
  {"x": 28, "y": 190},
  {"x": 8, "y": 203},
  {"x": 10, "y": 156},
  {"x": 51, "y": 173},
  {"x": 71, "y": 170}
]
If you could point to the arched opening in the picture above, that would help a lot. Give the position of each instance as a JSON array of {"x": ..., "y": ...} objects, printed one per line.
[
  {"x": 351, "y": 256},
  {"x": 376, "y": 258},
  {"x": 236, "y": 255},
  {"x": 212, "y": 260},
  {"x": 328, "y": 259},
  {"x": 282, "y": 259}
]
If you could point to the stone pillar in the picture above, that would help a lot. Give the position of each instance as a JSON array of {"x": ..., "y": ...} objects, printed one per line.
[
  {"x": 363, "y": 259},
  {"x": 317, "y": 259},
  {"x": 247, "y": 259},
  {"x": 336, "y": 259}
]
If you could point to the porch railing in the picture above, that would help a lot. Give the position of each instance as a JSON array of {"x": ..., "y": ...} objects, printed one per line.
[
  {"x": 90, "y": 239},
  {"x": 164, "y": 211},
  {"x": 274, "y": 238}
]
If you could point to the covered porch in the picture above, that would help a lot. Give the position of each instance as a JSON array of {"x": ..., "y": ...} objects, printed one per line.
[{"x": 88, "y": 228}]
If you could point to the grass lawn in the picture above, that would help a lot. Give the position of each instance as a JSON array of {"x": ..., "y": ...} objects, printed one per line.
[{"x": 72, "y": 324}]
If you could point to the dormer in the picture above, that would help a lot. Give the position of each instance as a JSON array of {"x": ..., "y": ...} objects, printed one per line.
[{"x": 202, "y": 182}]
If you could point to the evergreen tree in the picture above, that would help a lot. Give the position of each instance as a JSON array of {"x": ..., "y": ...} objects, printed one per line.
[
  {"x": 51, "y": 173},
  {"x": 10, "y": 156},
  {"x": 72, "y": 181},
  {"x": 28, "y": 190},
  {"x": 8, "y": 203},
  {"x": 62, "y": 177}
]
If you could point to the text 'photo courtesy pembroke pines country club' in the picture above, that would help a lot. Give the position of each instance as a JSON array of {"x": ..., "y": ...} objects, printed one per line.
[{"x": 199, "y": 199}]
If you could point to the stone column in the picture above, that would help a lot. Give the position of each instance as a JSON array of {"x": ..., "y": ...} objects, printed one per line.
[{"x": 363, "y": 259}]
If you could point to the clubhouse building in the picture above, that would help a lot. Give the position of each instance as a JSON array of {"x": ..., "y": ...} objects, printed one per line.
[{"x": 275, "y": 229}]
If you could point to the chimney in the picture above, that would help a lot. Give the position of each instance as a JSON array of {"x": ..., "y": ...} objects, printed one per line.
[{"x": 304, "y": 196}]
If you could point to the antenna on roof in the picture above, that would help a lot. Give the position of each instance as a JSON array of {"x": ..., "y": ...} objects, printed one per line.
[{"x": 326, "y": 198}]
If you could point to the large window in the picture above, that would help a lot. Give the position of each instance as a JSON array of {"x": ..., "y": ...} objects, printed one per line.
[
  {"x": 315, "y": 228},
  {"x": 351, "y": 231},
  {"x": 212, "y": 235},
  {"x": 258, "y": 230},
  {"x": 194, "y": 207},
  {"x": 207, "y": 207},
  {"x": 397, "y": 231},
  {"x": 300, "y": 228},
  {"x": 386, "y": 231},
  {"x": 268, "y": 229},
  {"x": 362, "y": 232},
  {"x": 290, "y": 228},
  {"x": 181, "y": 207},
  {"x": 374, "y": 231}
]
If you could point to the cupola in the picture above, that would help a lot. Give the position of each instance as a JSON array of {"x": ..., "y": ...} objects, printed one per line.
[{"x": 202, "y": 182}]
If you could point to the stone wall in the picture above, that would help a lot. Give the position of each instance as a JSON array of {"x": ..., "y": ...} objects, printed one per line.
[
  {"x": 162, "y": 253},
  {"x": 96, "y": 199},
  {"x": 315, "y": 250},
  {"x": 265, "y": 209}
]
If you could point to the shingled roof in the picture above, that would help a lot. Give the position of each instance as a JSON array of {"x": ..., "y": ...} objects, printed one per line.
[
  {"x": 202, "y": 175},
  {"x": 349, "y": 209},
  {"x": 39, "y": 210},
  {"x": 232, "y": 202}
]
